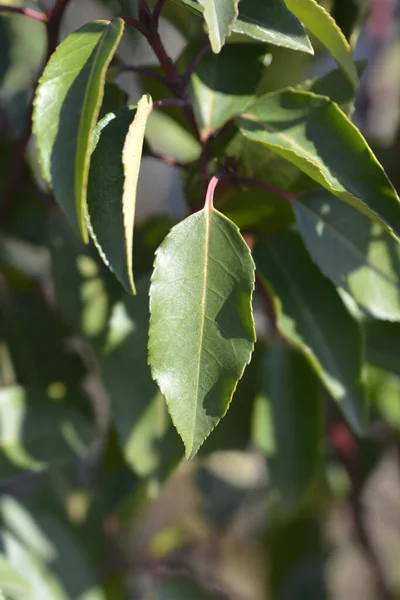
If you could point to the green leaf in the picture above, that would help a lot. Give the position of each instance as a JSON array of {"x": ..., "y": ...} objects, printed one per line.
[
  {"x": 36, "y": 431},
  {"x": 224, "y": 85},
  {"x": 268, "y": 21},
  {"x": 22, "y": 51},
  {"x": 112, "y": 186},
  {"x": 383, "y": 370},
  {"x": 10, "y": 580},
  {"x": 312, "y": 315},
  {"x": 288, "y": 422},
  {"x": 336, "y": 86},
  {"x": 201, "y": 327},
  {"x": 357, "y": 254},
  {"x": 116, "y": 325},
  {"x": 320, "y": 23},
  {"x": 47, "y": 554},
  {"x": 219, "y": 16},
  {"x": 67, "y": 103},
  {"x": 314, "y": 134}
]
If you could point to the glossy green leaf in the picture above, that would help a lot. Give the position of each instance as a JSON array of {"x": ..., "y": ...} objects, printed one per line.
[
  {"x": 112, "y": 186},
  {"x": 288, "y": 421},
  {"x": 201, "y": 328},
  {"x": 314, "y": 134},
  {"x": 67, "y": 103},
  {"x": 357, "y": 254},
  {"x": 224, "y": 85},
  {"x": 36, "y": 431},
  {"x": 312, "y": 315},
  {"x": 10, "y": 579},
  {"x": 219, "y": 16},
  {"x": 268, "y": 21},
  {"x": 320, "y": 23}
]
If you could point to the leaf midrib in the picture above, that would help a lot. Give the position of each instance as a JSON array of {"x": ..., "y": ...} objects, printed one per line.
[{"x": 207, "y": 213}]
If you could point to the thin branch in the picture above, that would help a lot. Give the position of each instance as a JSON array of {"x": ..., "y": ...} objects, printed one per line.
[
  {"x": 169, "y": 102},
  {"x": 347, "y": 450},
  {"x": 157, "y": 10},
  {"x": 165, "y": 159},
  {"x": 194, "y": 63},
  {"x": 28, "y": 12},
  {"x": 135, "y": 24},
  {"x": 147, "y": 72},
  {"x": 250, "y": 181}
]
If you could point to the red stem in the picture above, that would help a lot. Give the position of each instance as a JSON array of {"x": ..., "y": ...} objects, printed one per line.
[
  {"x": 135, "y": 24},
  {"x": 209, "y": 201},
  {"x": 195, "y": 62},
  {"x": 147, "y": 72},
  {"x": 28, "y": 12},
  {"x": 157, "y": 10}
]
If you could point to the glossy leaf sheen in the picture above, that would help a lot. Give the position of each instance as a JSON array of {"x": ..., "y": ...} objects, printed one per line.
[
  {"x": 355, "y": 253},
  {"x": 314, "y": 134},
  {"x": 312, "y": 315},
  {"x": 67, "y": 103},
  {"x": 293, "y": 416},
  {"x": 201, "y": 327},
  {"x": 219, "y": 16},
  {"x": 113, "y": 178},
  {"x": 268, "y": 21},
  {"x": 320, "y": 23}
]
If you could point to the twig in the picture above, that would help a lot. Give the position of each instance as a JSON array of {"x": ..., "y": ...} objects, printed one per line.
[
  {"x": 28, "y": 12},
  {"x": 194, "y": 63},
  {"x": 345, "y": 445},
  {"x": 135, "y": 24},
  {"x": 157, "y": 10},
  {"x": 250, "y": 181},
  {"x": 169, "y": 102},
  {"x": 165, "y": 159},
  {"x": 147, "y": 72}
]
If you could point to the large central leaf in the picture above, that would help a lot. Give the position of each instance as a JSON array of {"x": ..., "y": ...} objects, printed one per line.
[{"x": 201, "y": 326}]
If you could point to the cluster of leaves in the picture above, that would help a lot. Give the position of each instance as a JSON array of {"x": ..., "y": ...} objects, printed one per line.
[{"x": 292, "y": 238}]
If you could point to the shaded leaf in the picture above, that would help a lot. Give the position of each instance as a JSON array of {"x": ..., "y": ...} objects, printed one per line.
[
  {"x": 288, "y": 422},
  {"x": 314, "y": 134},
  {"x": 268, "y": 21},
  {"x": 312, "y": 315},
  {"x": 47, "y": 554},
  {"x": 383, "y": 368},
  {"x": 112, "y": 186},
  {"x": 225, "y": 84},
  {"x": 36, "y": 431},
  {"x": 357, "y": 254},
  {"x": 116, "y": 325},
  {"x": 201, "y": 328},
  {"x": 319, "y": 22},
  {"x": 67, "y": 103},
  {"x": 22, "y": 50},
  {"x": 219, "y": 16}
]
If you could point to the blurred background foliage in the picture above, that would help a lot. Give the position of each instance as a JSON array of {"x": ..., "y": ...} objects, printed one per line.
[{"x": 96, "y": 508}]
